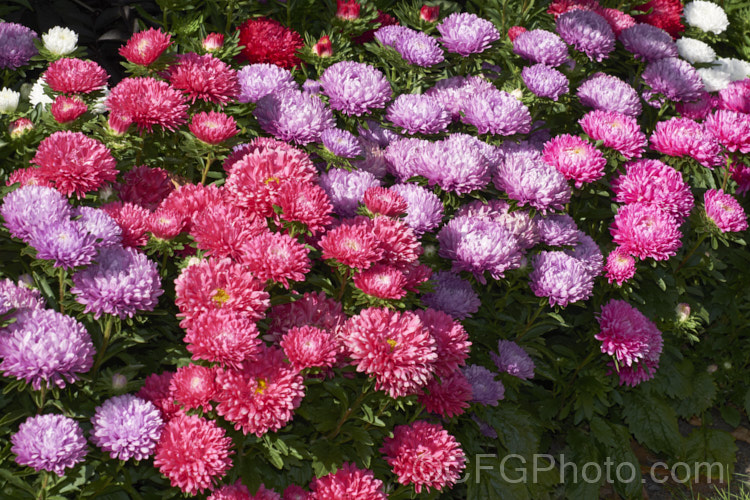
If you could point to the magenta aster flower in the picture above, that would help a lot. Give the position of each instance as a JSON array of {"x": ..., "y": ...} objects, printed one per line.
[
  {"x": 575, "y": 158},
  {"x": 341, "y": 143},
  {"x": 309, "y": 346},
  {"x": 71, "y": 75},
  {"x": 485, "y": 389},
  {"x": 347, "y": 482},
  {"x": 560, "y": 277},
  {"x": 588, "y": 32},
  {"x": 448, "y": 396},
  {"x": 609, "y": 93},
  {"x": 148, "y": 102},
  {"x": 645, "y": 230},
  {"x": 127, "y": 427},
  {"x": 16, "y": 45},
  {"x": 418, "y": 114},
  {"x": 725, "y": 211},
  {"x": 529, "y": 180},
  {"x": 419, "y": 48},
  {"x": 731, "y": 128},
  {"x": 685, "y": 137},
  {"x": 204, "y": 77},
  {"x": 382, "y": 281},
  {"x": 672, "y": 78},
  {"x": 544, "y": 81},
  {"x": 258, "y": 80},
  {"x": 736, "y": 97},
  {"x": 466, "y": 34},
  {"x": 355, "y": 88},
  {"x": 424, "y": 210},
  {"x": 194, "y": 387},
  {"x": 212, "y": 127},
  {"x": 541, "y": 46},
  {"x": 275, "y": 257},
  {"x": 647, "y": 42},
  {"x": 620, "y": 266},
  {"x": 617, "y": 131},
  {"x": 698, "y": 109},
  {"x": 497, "y": 112},
  {"x": 293, "y": 116},
  {"x": 49, "y": 442},
  {"x": 513, "y": 360}
]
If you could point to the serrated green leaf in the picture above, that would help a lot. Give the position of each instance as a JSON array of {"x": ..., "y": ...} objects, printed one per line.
[
  {"x": 705, "y": 448},
  {"x": 653, "y": 423},
  {"x": 702, "y": 394}
]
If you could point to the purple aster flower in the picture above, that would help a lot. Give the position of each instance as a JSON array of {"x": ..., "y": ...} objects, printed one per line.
[
  {"x": 513, "y": 360},
  {"x": 374, "y": 132},
  {"x": 527, "y": 179},
  {"x": 293, "y": 116},
  {"x": 19, "y": 297},
  {"x": 312, "y": 87},
  {"x": 389, "y": 35},
  {"x": 258, "y": 80},
  {"x": 453, "y": 93},
  {"x": 127, "y": 427},
  {"x": 588, "y": 32},
  {"x": 485, "y": 390},
  {"x": 65, "y": 242},
  {"x": 424, "y": 211},
  {"x": 346, "y": 189},
  {"x": 560, "y": 277},
  {"x": 518, "y": 223},
  {"x": 455, "y": 164},
  {"x": 374, "y": 159},
  {"x": 466, "y": 34},
  {"x": 355, "y": 88},
  {"x": 544, "y": 81},
  {"x": 675, "y": 79},
  {"x": 341, "y": 143},
  {"x": 31, "y": 206},
  {"x": 648, "y": 42},
  {"x": 49, "y": 442},
  {"x": 16, "y": 45},
  {"x": 97, "y": 222},
  {"x": 402, "y": 156},
  {"x": 497, "y": 112},
  {"x": 557, "y": 230},
  {"x": 541, "y": 46},
  {"x": 588, "y": 254},
  {"x": 420, "y": 49},
  {"x": 478, "y": 245},
  {"x": 484, "y": 428},
  {"x": 609, "y": 93},
  {"x": 453, "y": 295},
  {"x": 122, "y": 282},
  {"x": 44, "y": 345},
  {"x": 418, "y": 114}
]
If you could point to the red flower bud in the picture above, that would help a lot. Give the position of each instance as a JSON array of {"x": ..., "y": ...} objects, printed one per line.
[
  {"x": 323, "y": 48},
  {"x": 347, "y": 10},
  {"x": 429, "y": 14}
]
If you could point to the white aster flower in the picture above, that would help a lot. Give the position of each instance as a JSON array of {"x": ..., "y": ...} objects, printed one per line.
[
  {"x": 714, "y": 79},
  {"x": 100, "y": 105},
  {"x": 60, "y": 41},
  {"x": 706, "y": 16},
  {"x": 8, "y": 100},
  {"x": 737, "y": 68},
  {"x": 37, "y": 95},
  {"x": 695, "y": 51}
]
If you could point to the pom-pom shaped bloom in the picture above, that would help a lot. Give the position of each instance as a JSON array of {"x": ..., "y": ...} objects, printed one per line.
[
  {"x": 418, "y": 114},
  {"x": 448, "y": 396},
  {"x": 346, "y": 189},
  {"x": 75, "y": 76},
  {"x": 121, "y": 282},
  {"x": 384, "y": 201},
  {"x": 632, "y": 339},
  {"x": 262, "y": 395},
  {"x": 354, "y": 245},
  {"x": 529, "y": 180},
  {"x": 392, "y": 346},
  {"x": 456, "y": 92},
  {"x": 513, "y": 360},
  {"x": 425, "y": 455},
  {"x": 18, "y": 296},
  {"x": 497, "y": 112},
  {"x": 145, "y": 186},
  {"x": 398, "y": 242},
  {"x": 485, "y": 389},
  {"x": 212, "y": 127},
  {"x": 236, "y": 491},
  {"x": 620, "y": 266},
  {"x": 193, "y": 453},
  {"x": 158, "y": 390},
  {"x": 133, "y": 222},
  {"x": 355, "y": 88},
  {"x": 645, "y": 230},
  {"x": 341, "y": 142},
  {"x": 575, "y": 158},
  {"x": 309, "y": 346},
  {"x": 424, "y": 210},
  {"x": 293, "y": 116},
  {"x": 560, "y": 277},
  {"x": 66, "y": 109},
  {"x": 402, "y": 156},
  {"x": 74, "y": 163},
  {"x": 673, "y": 78},
  {"x": 452, "y": 295},
  {"x": 381, "y": 281},
  {"x": 347, "y": 482},
  {"x": 306, "y": 203},
  {"x": 617, "y": 19},
  {"x": 654, "y": 183},
  {"x": 695, "y": 51},
  {"x": 258, "y": 80},
  {"x": 205, "y": 77},
  {"x": 49, "y": 442},
  {"x": 193, "y": 386},
  {"x": 45, "y": 346},
  {"x": 736, "y": 68},
  {"x": 616, "y": 130},
  {"x": 268, "y": 41},
  {"x": 741, "y": 175},
  {"x": 451, "y": 340},
  {"x": 706, "y": 16},
  {"x": 66, "y": 243},
  {"x": 148, "y": 102},
  {"x": 145, "y": 47},
  {"x": 609, "y": 93},
  {"x": 557, "y": 230},
  {"x": 685, "y": 137},
  {"x": 419, "y": 48},
  {"x": 388, "y": 35},
  {"x": 541, "y": 46},
  {"x": 714, "y": 79},
  {"x": 127, "y": 427},
  {"x": 731, "y": 128},
  {"x": 466, "y": 34},
  {"x": 8, "y": 100},
  {"x": 588, "y": 32},
  {"x": 736, "y": 97},
  {"x": 32, "y": 206},
  {"x": 648, "y": 43},
  {"x": 312, "y": 309},
  {"x": 725, "y": 211},
  {"x": 455, "y": 164},
  {"x": 664, "y": 14},
  {"x": 16, "y": 45},
  {"x": 276, "y": 257},
  {"x": 544, "y": 81},
  {"x": 166, "y": 224},
  {"x": 222, "y": 336}
]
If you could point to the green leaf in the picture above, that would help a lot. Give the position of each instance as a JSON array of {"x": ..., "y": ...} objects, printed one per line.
[
  {"x": 702, "y": 394},
  {"x": 706, "y": 448},
  {"x": 731, "y": 415},
  {"x": 653, "y": 423},
  {"x": 498, "y": 478},
  {"x": 515, "y": 429},
  {"x": 583, "y": 450}
]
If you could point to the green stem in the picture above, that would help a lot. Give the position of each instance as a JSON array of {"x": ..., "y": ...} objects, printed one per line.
[
  {"x": 692, "y": 251},
  {"x": 43, "y": 491},
  {"x": 531, "y": 322},
  {"x": 105, "y": 343},
  {"x": 209, "y": 160},
  {"x": 42, "y": 396},
  {"x": 348, "y": 413},
  {"x": 344, "y": 280},
  {"x": 726, "y": 175},
  {"x": 61, "y": 277}
]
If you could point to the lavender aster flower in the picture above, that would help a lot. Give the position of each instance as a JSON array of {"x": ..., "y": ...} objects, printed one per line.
[
  {"x": 402, "y": 156},
  {"x": 466, "y": 34},
  {"x": 355, "y": 88},
  {"x": 420, "y": 49},
  {"x": 527, "y": 179},
  {"x": 544, "y": 81},
  {"x": 512, "y": 359},
  {"x": 424, "y": 211},
  {"x": 453, "y": 93},
  {"x": 541, "y": 46},
  {"x": 484, "y": 388},
  {"x": 44, "y": 345},
  {"x": 484, "y": 428},
  {"x": 389, "y": 35},
  {"x": 97, "y": 222},
  {"x": 453, "y": 295},
  {"x": 588, "y": 32},
  {"x": 293, "y": 116},
  {"x": 121, "y": 282},
  {"x": 497, "y": 112},
  {"x": 374, "y": 159},
  {"x": 341, "y": 143},
  {"x": 455, "y": 164},
  {"x": 418, "y": 114},
  {"x": 16, "y": 45},
  {"x": 673, "y": 78},
  {"x": 347, "y": 189},
  {"x": 557, "y": 230},
  {"x": 258, "y": 80},
  {"x": 65, "y": 242},
  {"x": 609, "y": 93},
  {"x": 588, "y": 254},
  {"x": 49, "y": 442},
  {"x": 373, "y": 132},
  {"x": 648, "y": 42},
  {"x": 127, "y": 427},
  {"x": 312, "y": 87},
  {"x": 560, "y": 277},
  {"x": 31, "y": 206},
  {"x": 519, "y": 223},
  {"x": 18, "y": 296}
]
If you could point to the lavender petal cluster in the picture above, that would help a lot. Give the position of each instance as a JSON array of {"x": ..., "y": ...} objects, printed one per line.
[
  {"x": 497, "y": 112},
  {"x": 418, "y": 114},
  {"x": 588, "y": 32},
  {"x": 424, "y": 210},
  {"x": 544, "y": 81},
  {"x": 526, "y": 178},
  {"x": 31, "y": 206},
  {"x": 340, "y": 142},
  {"x": 513, "y": 360},
  {"x": 346, "y": 189},
  {"x": 355, "y": 88},
  {"x": 293, "y": 116},
  {"x": 485, "y": 390},
  {"x": 609, "y": 93},
  {"x": 648, "y": 43},
  {"x": 259, "y": 80},
  {"x": 419, "y": 49},
  {"x": 542, "y": 47},
  {"x": 453, "y": 295},
  {"x": 466, "y": 34},
  {"x": 127, "y": 427},
  {"x": 16, "y": 45},
  {"x": 49, "y": 442}
]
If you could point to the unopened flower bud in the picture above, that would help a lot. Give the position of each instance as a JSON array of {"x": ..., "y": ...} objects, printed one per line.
[
  {"x": 429, "y": 14},
  {"x": 683, "y": 311},
  {"x": 119, "y": 381},
  {"x": 323, "y": 48},
  {"x": 19, "y": 127},
  {"x": 347, "y": 10},
  {"x": 8, "y": 100},
  {"x": 213, "y": 42}
]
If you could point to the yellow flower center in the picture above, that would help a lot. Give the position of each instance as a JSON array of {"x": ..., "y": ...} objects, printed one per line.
[
  {"x": 272, "y": 179},
  {"x": 262, "y": 384},
  {"x": 220, "y": 297},
  {"x": 391, "y": 343}
]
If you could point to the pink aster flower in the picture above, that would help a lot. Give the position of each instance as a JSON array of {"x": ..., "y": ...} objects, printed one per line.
[
  {"x": 382, "y": 281},
  {"x": 697, "y": 109},
  {"x": 620, "y": 266},
  {"x": 204, "y": 77},
  {"x": 394, "y": 347},
  {"x": 194, "y": 386},
  {"x": 133, "y": 221},
  {"x": 617, "y": 131},
  {"x": 383, "y": 201},
  {"x": 451, "y": 340},
  {"x": 145, "y": 186},
  {"x": 725, "y": 211},
  {"x": 262, "y": 395},
  {"x": 191, "y": 200},
  {"x": 448, "y": 396},
  {"x": 276, "y": 257},
  {"x": 348, "y": 482},
  {"x": 166, "y": 224},
  {"x": 575, "y": 158},
  {"x": 425, "y": 455},
  {"x": 148, "y": 102},
  {"x": 312, "y": 309},
  {"x": 306, "y": 203},
  {"x": 397, "y": 240},
  {"x": 740, "y": 175},
  {"x": 685, "y": 137},
  {"x": 731, "y": 128},
  {"x": 736, "y": 97},
  {"x": 223, "y": 336},
  {"x": 66, "y": 109},
  {"x": 212, "y": 127},
  {"x": 645, "y": 230},
  {"x": 75, "y": 76},
  {"x": 145, "y": 47},
  {"x": 157, "y": 389},
  {"x": 309, "y": 346},
  {"x": 74, "y": 163},
  {"x": 354, "y": 245},
  {"x": 219, "y": 239}
]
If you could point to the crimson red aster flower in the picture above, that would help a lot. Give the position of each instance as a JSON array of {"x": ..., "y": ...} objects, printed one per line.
[
  {"x": 75, "y": 76},
  {"x": 348, "y": 10},
  {"x": 157, "y": 389},
  {"x": 514, "y": 31},
  {"x": 204, "y": 77},
  {"x": 145, "y": 186},
  {"x": 212, "y": 127},
  {"x": 666, "y": 14},
  {"x": 66, "y": 109},
  {"x": 145, "y": 47},
  {"x": 148, "y": 102},
  {"x": 429, "y": 14},
  {"x": 268, "y": 41}
]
